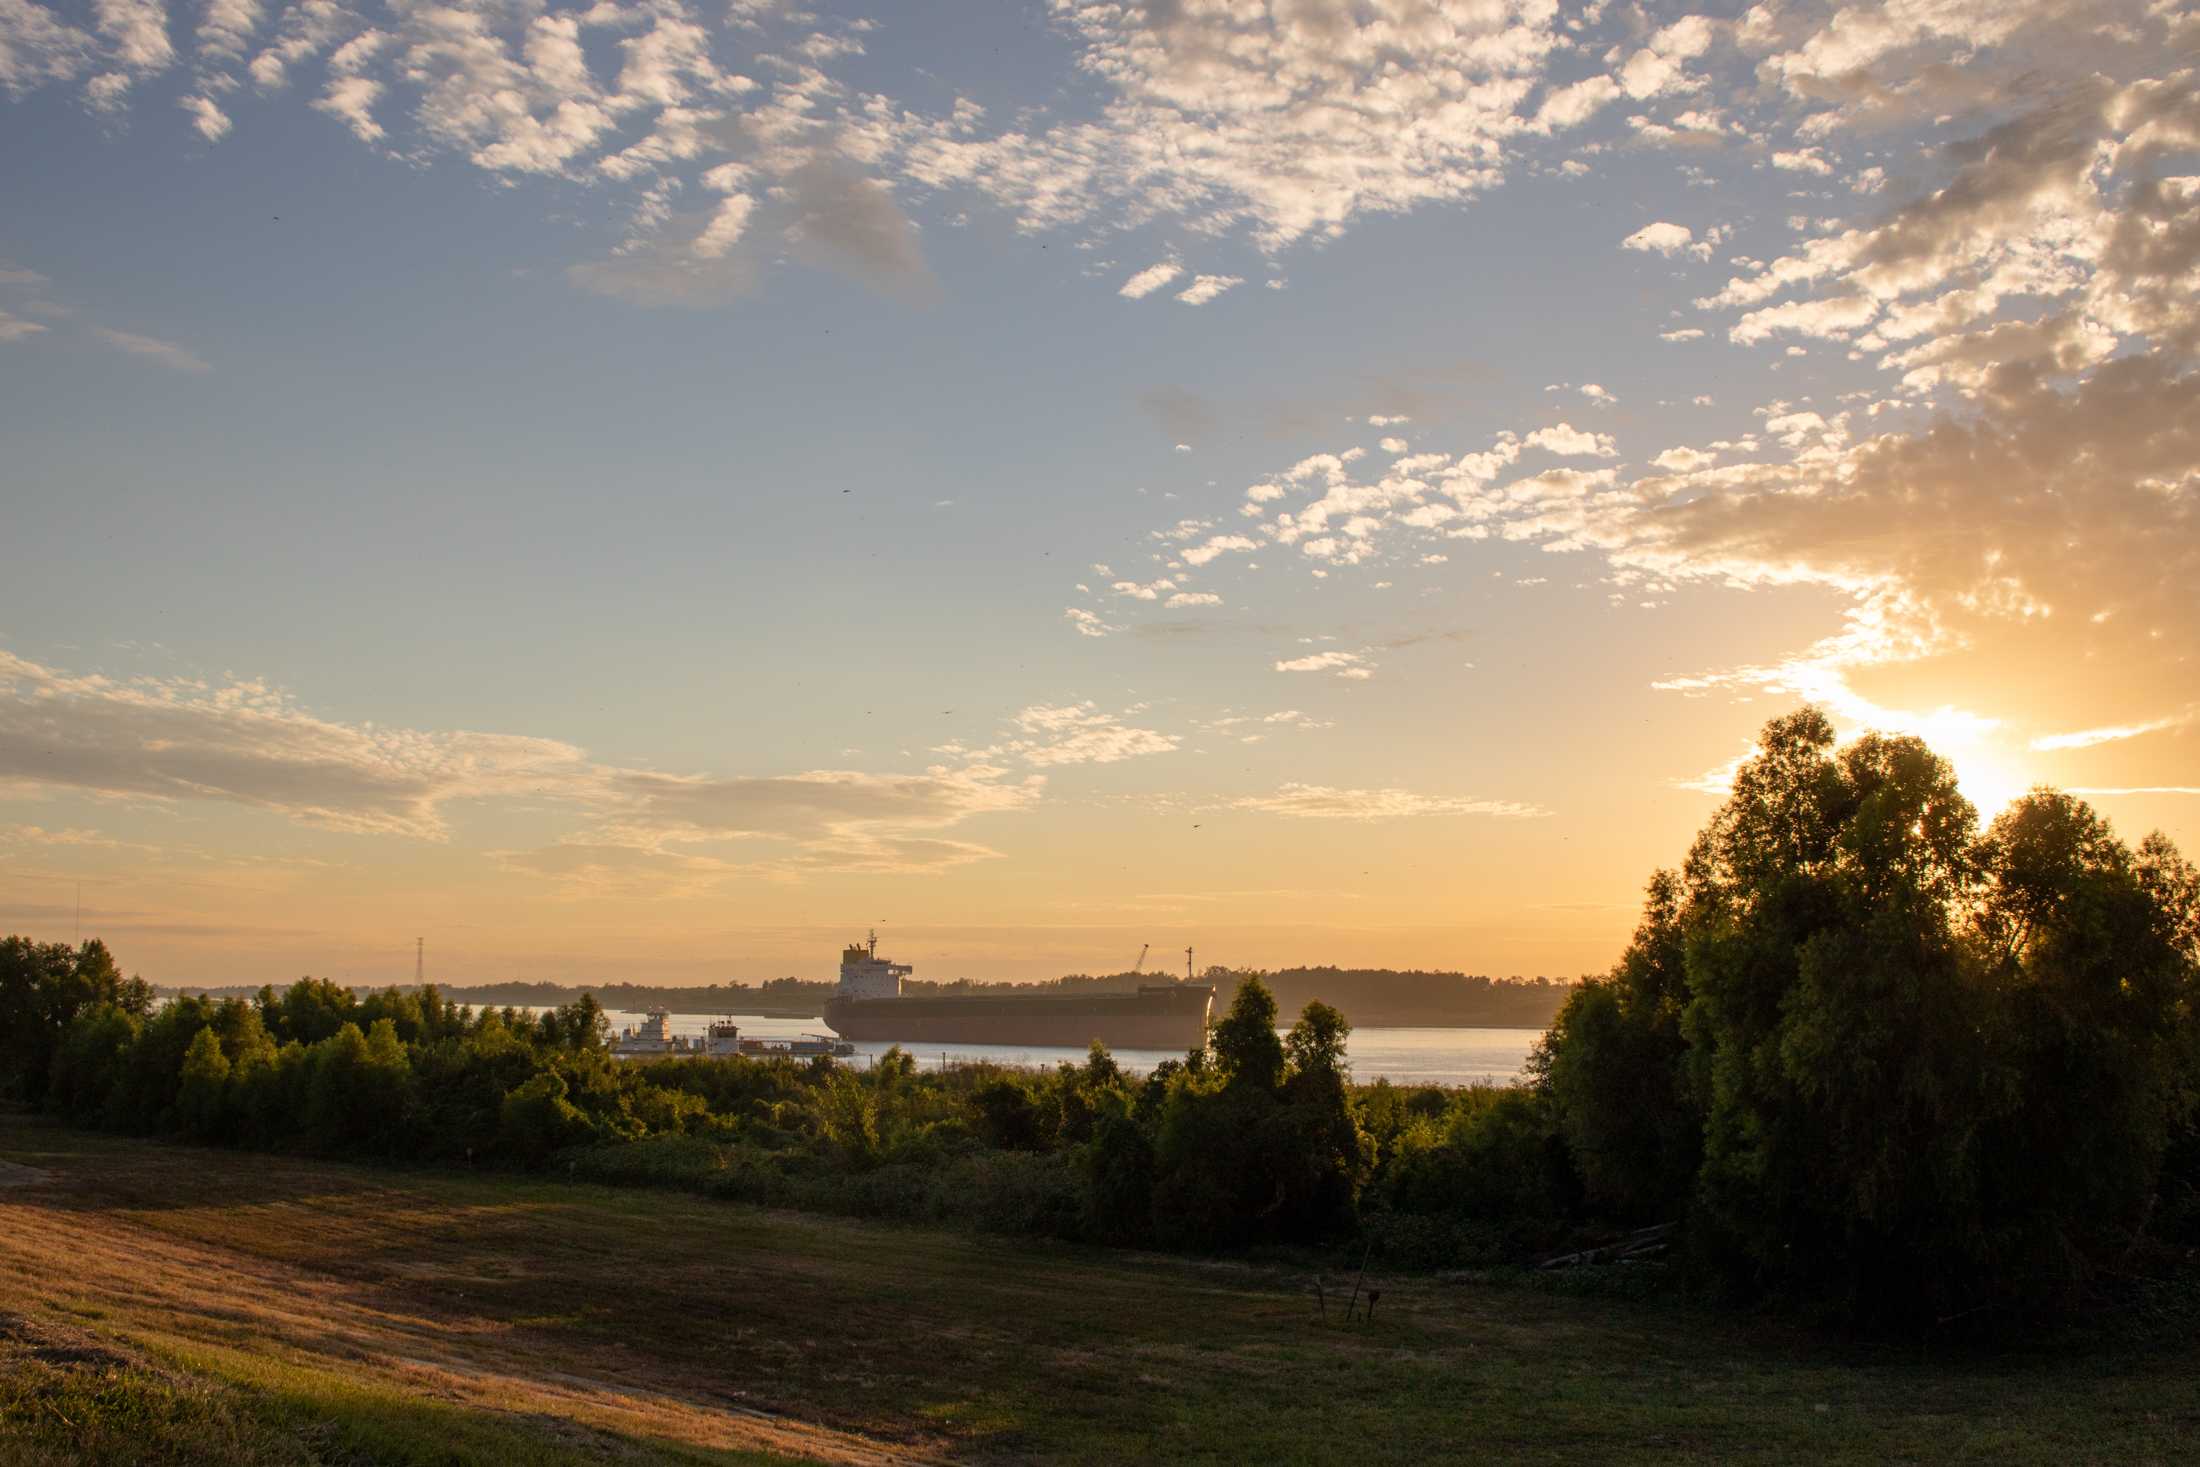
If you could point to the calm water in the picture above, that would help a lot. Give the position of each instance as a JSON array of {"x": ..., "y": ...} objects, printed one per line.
[{"x": 1401, "y": 1056}]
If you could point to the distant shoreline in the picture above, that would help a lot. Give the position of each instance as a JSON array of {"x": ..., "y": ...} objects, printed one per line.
[{"x": 1370, "y": 998}]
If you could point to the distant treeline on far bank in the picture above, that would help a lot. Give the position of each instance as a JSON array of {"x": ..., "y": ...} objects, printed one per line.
[{"x": 1375, "y": 997}]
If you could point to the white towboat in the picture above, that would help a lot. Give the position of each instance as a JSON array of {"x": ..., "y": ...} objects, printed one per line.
[{"x": 720, "y": 1040}]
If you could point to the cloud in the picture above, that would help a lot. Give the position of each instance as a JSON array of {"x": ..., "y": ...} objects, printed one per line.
[
  {"x": 1802, "y": 160},
  {"x": 38, "y": 47},
  {"x": 350, "y": 100},
  {"x": 850, "y": 221},
  {"x": 174, "y": 740},
  {"x": 1206, "y": 287},
  {"x": 726, "y": 226},
  {"x": 226, "y": 27},
  {"x": 178, "y": 739},
  {"x": 15, "y": 328},
  {"x": 1685, "y": 460},
  {"x": 152, "y": 349},
  {"x": 1661, "y": 238},
  {"x": 1086, "y": 623},
  {"x": 1569, "y": 106},
  {"x": 207, "y": 119},
  {"x": 1218, "y": 545},
  {"x": 1568, "y": 441},
  {"x": 838, "y": 806},
  {"x": 1143, "y": 591},
  {"x": 137, "y": 31},
  {"x": 1343, "y": 664},
  {"x": 1149, "y": 280},
  {"x": 1285, "y": 121},
  {"x": 1078, "y": 733},
  {"x": 1321, "y": 802},
  {"x": 1829, "y": 316},
  {"x": 2086, "y": 738},
  {"x": 2055, "y": 528}
]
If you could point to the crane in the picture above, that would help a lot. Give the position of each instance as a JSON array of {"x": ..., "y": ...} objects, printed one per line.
[{"x": 1140, "y": 965}]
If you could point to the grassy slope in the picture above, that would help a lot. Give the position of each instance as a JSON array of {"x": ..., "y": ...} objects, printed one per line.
[{"x": 322, "y": 1312}]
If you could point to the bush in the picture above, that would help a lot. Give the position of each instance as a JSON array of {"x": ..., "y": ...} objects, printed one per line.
[{"x": 537, "y": 1119}]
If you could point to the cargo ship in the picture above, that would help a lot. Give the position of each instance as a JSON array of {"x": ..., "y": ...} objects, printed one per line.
[{"x": 870, "y": 1005}]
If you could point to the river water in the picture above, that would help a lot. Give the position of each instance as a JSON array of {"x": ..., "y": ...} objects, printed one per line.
[{"x": 1401, "y": 1056}]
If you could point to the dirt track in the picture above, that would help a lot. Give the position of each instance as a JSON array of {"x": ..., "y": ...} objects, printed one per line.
[{"x": 66, "y": 1250}]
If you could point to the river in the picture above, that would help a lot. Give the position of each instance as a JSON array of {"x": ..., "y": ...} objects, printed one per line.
[{"x": 1401, "y": 1056}]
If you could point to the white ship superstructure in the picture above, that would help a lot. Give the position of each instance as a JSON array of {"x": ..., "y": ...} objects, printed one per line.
[{"x": 864, "y": 974}]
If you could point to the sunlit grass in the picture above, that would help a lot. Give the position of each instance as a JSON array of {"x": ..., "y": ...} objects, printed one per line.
[{"x": 420, "y": 1317}]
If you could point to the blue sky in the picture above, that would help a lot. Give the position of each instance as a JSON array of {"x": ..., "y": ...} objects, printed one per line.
[{"x": 717, "y": 475}]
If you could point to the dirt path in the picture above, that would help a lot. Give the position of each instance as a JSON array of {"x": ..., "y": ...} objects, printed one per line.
[{"x": 155, "y": 1289}]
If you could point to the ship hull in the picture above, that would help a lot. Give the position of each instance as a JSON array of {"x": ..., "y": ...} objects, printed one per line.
[{"x": 1153, "y": 1018}]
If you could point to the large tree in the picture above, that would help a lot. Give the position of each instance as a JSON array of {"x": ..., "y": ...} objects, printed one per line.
[{"x": 1887, "y": 1064}]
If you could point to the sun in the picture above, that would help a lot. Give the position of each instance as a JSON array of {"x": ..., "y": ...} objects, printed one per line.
[{"x": 1988, "y": 780}]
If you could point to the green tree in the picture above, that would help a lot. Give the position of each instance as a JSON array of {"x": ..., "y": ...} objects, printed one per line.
[
  {"x": 537, "y": 1119},
  {"x": 1245, "y": 1043},
  {"x": 89, "y": 1066},
  {"x": 44, "y": 987},
  {"x": 2096, "y": 980},
  {"x": 1902, "y": 1068},
  {"x": 203, "y": 1083},
  {"x": 309, "y": 1011},
  {"x": 1255, "y": 1148}
]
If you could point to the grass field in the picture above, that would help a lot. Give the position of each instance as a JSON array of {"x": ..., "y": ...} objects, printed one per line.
[{"x": 220, "y": 1306}]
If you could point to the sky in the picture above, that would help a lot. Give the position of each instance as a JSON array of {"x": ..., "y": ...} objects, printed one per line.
[{"x": 652, "y": 489}]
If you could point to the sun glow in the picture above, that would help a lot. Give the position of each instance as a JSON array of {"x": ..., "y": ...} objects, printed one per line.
[
  {"x": 1985, "y": 771},
  {"x": 1987, "y": 780}
]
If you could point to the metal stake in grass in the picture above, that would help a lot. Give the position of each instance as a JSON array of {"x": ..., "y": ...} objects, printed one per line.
[{"x": 1356, "y": 1281}]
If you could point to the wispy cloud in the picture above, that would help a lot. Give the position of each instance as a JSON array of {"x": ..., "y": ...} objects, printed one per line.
[
  {"x": 1321, "y": 802},
  {"x": 179, "y": 740},
  {"x": 1149, "y": 280},
  {"x": 2086, "y": 738},
  {"x": 153, "y": 349}
]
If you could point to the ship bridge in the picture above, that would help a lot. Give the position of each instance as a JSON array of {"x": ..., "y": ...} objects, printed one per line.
[{"x": 864, "y": 974}]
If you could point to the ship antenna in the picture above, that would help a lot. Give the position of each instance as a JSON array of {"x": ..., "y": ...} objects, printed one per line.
[
  {"x": 1187, "y": 965},
  {"x": 874, "y": 942}
]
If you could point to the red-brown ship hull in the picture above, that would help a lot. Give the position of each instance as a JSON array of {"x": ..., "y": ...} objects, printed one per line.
[{"x": 1155, "y": 1017}]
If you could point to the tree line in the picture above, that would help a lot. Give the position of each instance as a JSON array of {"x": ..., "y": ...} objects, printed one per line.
[
  {"x": 1878, "y": 1063},
  {"x": 1377, "y": 996}
]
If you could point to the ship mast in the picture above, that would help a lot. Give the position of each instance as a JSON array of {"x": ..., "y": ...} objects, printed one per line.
[
  {"x": 1187, "y": 965},
  {"x": 874, "y": 942}
]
